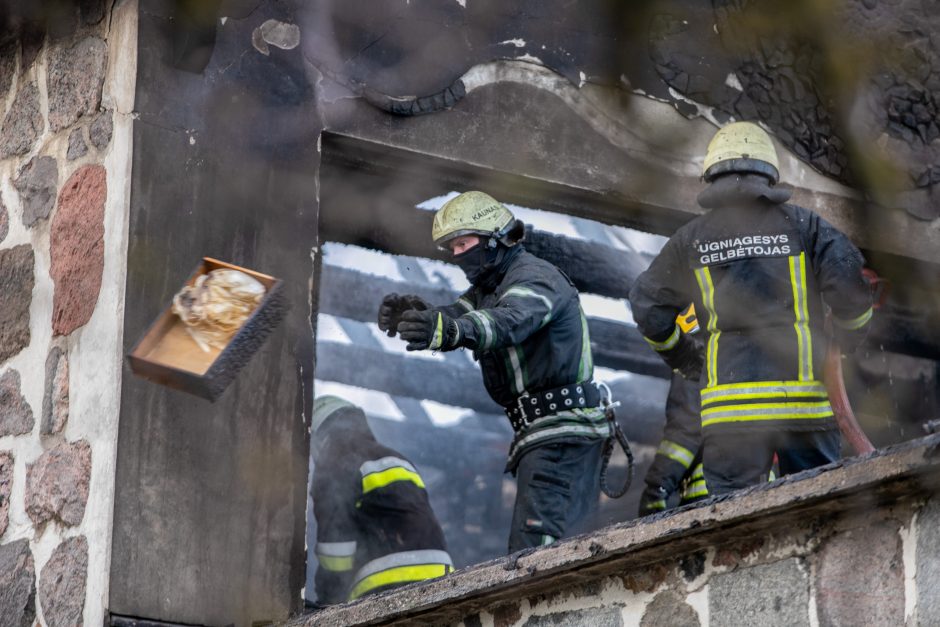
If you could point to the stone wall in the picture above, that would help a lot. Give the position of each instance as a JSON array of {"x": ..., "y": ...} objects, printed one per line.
[
  {"x": 854, "y": 544},
  {"x": 854, "y": 570},
  {"x": 66, "y": 101}
]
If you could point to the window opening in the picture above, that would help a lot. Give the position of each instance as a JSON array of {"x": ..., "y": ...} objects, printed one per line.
[{"x": 433, "y": 408}]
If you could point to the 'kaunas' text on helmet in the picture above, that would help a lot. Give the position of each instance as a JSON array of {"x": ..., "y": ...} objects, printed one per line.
[{"x": 475, "y": 213}]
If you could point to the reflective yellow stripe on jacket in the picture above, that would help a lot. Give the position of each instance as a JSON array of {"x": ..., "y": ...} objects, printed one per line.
[
  {"x": 400, "y": 568},
  {"x": 704, "y": 278},
  {"x": 765, "y": 411},
  {"x": 676, "y": 452},
  {"x": 668, "y": 344},
  {"x": 855, "y": 323},
  {"x": 765, "y": 400},
  {"x": 804, "y": 337},
  {"x": 763, "y": 390},
  {"x": 381, "y": 472}
]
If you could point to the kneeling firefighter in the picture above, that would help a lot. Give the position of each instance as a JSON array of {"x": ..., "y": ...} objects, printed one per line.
[
  {"x": 761, "y": 273},
  {"x": 375, "y": 526},
  {"x": 522, "y": 318},
  {"x": 677, "y": 466}
]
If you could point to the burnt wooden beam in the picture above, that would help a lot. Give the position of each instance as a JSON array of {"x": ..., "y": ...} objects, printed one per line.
[
  {"x": 621, "y": 347},
  {"x": 372, "y": 197},
  {"x": 400, "y": 230},
  {"x": 894, "y": 329},
  {"x": 398, "y": 375},
  {"x": 345, "y": 155},
  {"x": 356, "y": 295},
  {"x": 641, "y": 413}
]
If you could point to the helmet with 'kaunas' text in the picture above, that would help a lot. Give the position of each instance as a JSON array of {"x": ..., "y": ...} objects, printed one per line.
[
  {"x": 741, "y": 147},
  {"x": 475, "y": 213}
]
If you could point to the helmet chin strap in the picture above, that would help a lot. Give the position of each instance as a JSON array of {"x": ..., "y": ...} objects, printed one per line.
[{"x": 509, "y": 235}]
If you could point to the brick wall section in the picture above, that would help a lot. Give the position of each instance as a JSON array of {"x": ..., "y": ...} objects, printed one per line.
[{"x": 66, "y": 98}]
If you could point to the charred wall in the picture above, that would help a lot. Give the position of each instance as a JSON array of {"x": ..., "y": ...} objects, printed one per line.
[{"x": 210, "y": 498}]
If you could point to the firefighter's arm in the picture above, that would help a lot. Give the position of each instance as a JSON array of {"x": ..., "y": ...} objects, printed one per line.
[
  {"x": 463, "y": 305},
  {"x": 523, "y": 309},
  {"x": 423, "y": 325},
  {"x": 657, "y": 297},
  {"x": 838, "y": 264},
  {"x": 336, "y": 543},
  {"x": 394, "y": 306}
]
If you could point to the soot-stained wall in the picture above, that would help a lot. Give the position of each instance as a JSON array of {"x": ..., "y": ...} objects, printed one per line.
[
  {"x": 210, "y": 497},
  {"x": 851, "y": 88}
]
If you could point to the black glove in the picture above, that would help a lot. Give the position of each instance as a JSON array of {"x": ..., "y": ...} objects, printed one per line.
[
  {"x": 416, "y": 302},
  {"x": 393, "y": 306},
  {"x": 687, "y": 358},
  {"x": 428, "y": 329},
  {"x": 390, "y": 313}
]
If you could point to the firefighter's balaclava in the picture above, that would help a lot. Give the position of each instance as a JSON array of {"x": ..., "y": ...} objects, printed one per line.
[
  {"x": 476, "y": 213},
  {"x": 741, "y": 147}
]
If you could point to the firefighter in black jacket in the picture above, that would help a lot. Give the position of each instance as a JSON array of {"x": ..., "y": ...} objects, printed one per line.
[
  {"x": 677, "y": 465},
  {"x": 523, "y": 320},
  {"x": 760, "y": 273},
  {"x": 375, "y": 526}
]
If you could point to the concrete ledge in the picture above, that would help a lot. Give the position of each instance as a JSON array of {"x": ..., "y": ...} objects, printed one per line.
[{"x": 883, "y": 478}]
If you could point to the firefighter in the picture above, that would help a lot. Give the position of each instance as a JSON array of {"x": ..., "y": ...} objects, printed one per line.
[
  {"x": 522, "y": 319},
  {"x": 761, "y": 273},
  {"x": 375, "y": 526},
  {"x": 677, "y": 465}
]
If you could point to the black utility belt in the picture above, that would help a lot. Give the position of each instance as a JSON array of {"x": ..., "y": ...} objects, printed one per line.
[{"x": 532, "y": 406}]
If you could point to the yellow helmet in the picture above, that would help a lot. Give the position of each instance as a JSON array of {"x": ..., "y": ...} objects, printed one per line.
[
  {"x": 741, "y": 147},
  {"x": 472, "y": 213}
]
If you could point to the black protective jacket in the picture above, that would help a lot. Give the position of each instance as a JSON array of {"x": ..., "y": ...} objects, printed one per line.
[
  {"x": 758, "y": 271},
  {"x": 528, "y": 331},
  {"x": 375, "y": 526}
]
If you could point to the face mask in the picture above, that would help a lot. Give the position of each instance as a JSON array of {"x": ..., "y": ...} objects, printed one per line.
[{"x": 477, "y": 262}]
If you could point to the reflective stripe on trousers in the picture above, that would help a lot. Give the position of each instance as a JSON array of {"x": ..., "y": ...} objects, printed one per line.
[
  {"x": 400, "y": 568},
  {"x": 696, "y": 487}
]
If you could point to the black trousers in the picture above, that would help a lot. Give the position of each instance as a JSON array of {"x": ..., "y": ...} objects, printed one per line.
[
  {"x": 557, "y": 490},
  {"x": 738, "y": 460}
]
